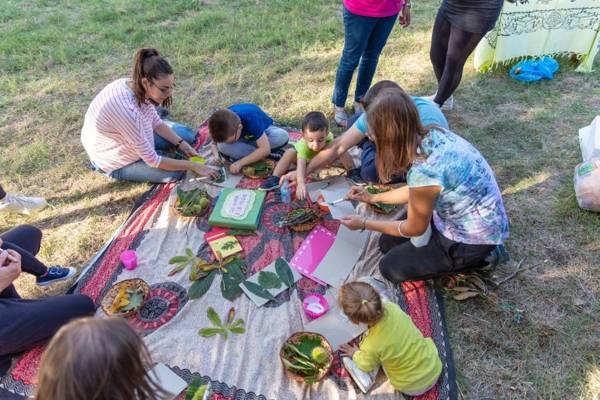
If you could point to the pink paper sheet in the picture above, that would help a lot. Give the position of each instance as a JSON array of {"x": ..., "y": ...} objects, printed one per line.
[{"x": 312, "y": 251}]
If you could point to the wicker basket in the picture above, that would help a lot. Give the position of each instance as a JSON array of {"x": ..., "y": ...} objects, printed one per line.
[
  {"x": 324, "y": 343},
  {"x": 109, "y": 297},
  {"x": 307, "y": 226},
  {"x": 201, "y": 213},
  {"x": 270, "y": 168}
]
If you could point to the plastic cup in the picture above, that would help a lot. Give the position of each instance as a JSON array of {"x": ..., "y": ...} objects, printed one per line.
[
  {"x": 315, "y": 305},
  {"x": 129, "y": 259},
  {"x": 197, "y": 159}
]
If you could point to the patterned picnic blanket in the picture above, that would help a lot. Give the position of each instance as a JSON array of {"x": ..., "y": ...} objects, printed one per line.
[
  {"x": 532, "y": 28},
  {"x": 246, "y": 366}
]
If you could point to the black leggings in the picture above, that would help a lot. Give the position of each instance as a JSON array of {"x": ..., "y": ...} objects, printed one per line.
[
  {"x": 450, "y": 48},
  {"x": 440, "y": 256}
]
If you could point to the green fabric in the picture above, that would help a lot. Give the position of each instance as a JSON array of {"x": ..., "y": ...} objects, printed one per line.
[
  {"x": 410, "y": 361},
  {"x": 542, "y": 27},
  {"x": 304, "y": 152}
]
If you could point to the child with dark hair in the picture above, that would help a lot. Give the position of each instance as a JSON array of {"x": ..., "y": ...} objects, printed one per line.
[
  {"x": 315, "y": 137},
  {"x": 97, "y": 358},
  {"x": 245, "y": 134},
  {"x": 410, "y": 361}
]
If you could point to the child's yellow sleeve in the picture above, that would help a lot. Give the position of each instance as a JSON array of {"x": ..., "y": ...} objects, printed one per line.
[{"x": 365, "y": 360}]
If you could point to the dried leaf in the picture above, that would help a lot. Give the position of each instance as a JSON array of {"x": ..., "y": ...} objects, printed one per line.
[
  {"x": 230, "y": 315},
  {"x": 258, "y": 290},
  {"x": 214, "y": 317},
  {"x": 284, "y": 272},
  {"x": 465, "y": 295},
  {"x": 199, "y": 288},
  {"x": 269, "y": 280},
  {"x": 208, "y": 332}
]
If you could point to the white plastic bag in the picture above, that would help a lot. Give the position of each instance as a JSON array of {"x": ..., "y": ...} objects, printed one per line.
[
  {"x": 587, "y": 184},
  {"x": 589, "y": 140}
]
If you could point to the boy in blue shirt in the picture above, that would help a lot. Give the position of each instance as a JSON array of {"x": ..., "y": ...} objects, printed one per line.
[{"x": 244, "y": 133}]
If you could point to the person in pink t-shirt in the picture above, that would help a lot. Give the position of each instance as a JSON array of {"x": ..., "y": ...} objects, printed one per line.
[
  {"x": 367, "y": 25},
  {"x": 123, "y": 135}
]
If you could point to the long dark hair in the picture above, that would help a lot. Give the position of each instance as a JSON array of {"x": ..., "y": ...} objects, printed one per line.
[
  {"x": 97, "y": 359},
  {"x": 147, "y": 63}
]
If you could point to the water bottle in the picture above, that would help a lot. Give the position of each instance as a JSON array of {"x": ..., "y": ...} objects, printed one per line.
[{"x": 286, "y": 194}]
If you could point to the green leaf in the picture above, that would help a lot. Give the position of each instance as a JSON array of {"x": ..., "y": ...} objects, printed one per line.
[
  {"x": 230, "y": 284},
  {"x": 197, "y": 273},
  {"x": 197, "y": 386},
  {"x": 199, "y": 288},
  {"x": 229, "y": 245},
  {"x": 269, "y": 280},
  {"x": 189, "y": 252},
  {"x": 237, "y": 329},
  {"x": 214, "y": 317},
  {"x": 238, "y": 322},
  {"x": 258, "y": 290},
  {"x": 284, "y": 272},
  {"x": 135, "y": 300},
  {"x": 179, "y": 259},
  {"x": 241, "y": 232},
  {"x": 208, "y": 332}
]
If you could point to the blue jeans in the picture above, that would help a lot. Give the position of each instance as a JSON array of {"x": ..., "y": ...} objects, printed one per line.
[
  {"x": 278, "y": 137},
  {"x": 364, "y": 38},
  {"x": 139, "y": 171},
  {"x": 368, "y": 167}
]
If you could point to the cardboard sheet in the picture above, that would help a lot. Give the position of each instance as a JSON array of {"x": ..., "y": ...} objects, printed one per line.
[{"x": 254, "y": 278}]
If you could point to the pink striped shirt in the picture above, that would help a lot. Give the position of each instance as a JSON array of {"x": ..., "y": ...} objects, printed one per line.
[
  {"x": 374, "y": 8},
  {"x": 117, "y": 132}
]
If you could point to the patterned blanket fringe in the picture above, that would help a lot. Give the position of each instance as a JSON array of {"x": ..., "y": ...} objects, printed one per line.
[{"x": 509, "y": 62}]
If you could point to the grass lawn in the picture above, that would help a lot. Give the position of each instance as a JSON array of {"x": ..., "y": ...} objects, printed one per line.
[{"x": 56, "y": 55}]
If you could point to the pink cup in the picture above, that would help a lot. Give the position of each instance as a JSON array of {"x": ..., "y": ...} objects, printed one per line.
[
  {"x": 129, "y": 259},
  {"x": 315, "y": 305}
]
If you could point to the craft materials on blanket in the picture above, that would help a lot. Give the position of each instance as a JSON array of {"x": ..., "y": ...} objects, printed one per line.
[
  {"x": 198, "y": 160},
  {"x": 380, "y": 208},
  {"x": 299, "y": 216},
  {"x": 335, "y": 326},
  {"x": 315, "y": 305},
  {"x": 232, "y": 274},
  {"x": 270, "y": 281},
  {"x": 182, "y": 261},
  {"x": 339, "y": 261},
  {"x": 312, "y": 250},
  {"x": 237, "y": 208},
  {"x": 307, "y": 357},
  {"x": 229, "y": 326},
  {"x": 222, "y": 243},
  {"x": 199, "y": 390},
  {"x": 364, "y": 380},
  {"x": 168, "y": 380},
  {"x": 129, "y": 259},
  {"x": 333, "y": 194},
  {"x": 125, "y": 298},
  {"x": 259, "y": 170},
  {"x": 192, "y": 203}
]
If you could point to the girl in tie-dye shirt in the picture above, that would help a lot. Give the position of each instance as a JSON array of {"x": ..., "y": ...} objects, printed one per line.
[{"x": 451, "y": 191}]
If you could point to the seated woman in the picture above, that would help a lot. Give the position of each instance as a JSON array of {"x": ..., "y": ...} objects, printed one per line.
[
  {"x": 123, "y": 134},
  {"x": 27, "y": 323},
  {"x": 428, "y": 112},
  {"x": 449, "y": 183}
]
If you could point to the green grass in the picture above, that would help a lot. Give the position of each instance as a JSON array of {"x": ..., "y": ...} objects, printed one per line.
[{"x": 55, "y": 56}]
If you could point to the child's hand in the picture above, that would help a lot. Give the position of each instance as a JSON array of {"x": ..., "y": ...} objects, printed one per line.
[
  {"x": 235, "y": 168},
  {"x": 290, "y": 177},
  {"x": 359, "y": 193},
  {"x": 348, "y": 350},
  {"x": 301, "y": 191}
]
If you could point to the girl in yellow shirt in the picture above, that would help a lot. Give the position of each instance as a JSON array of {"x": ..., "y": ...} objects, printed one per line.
[{"x": 410, "y": 361}]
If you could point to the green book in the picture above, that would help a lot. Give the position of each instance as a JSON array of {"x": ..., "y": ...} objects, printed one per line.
[{"x": 237, "y": 208}]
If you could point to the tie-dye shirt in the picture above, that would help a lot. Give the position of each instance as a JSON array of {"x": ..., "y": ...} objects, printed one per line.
[{"x": 469, "y": 208}]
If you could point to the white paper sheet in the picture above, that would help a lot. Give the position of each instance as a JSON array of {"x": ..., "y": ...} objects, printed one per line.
[
  {"x": 340, "y": 209},
  {"x": 168, "y": 380}
]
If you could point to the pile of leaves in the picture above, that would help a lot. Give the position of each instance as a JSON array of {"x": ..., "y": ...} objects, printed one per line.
[
  {"x": 128, "y": 299},
  {"x": 193, "y": 202},
  {"x": 220, "y": 328},
  {"x": 306, "y": 357},
  {"x": 259, "y": 169},
  {"x": 203, "y": 273},
  {"x": 270, "y": 280},
  {"x": 380, "y": 207},
  {"x": 298, "y": 216}
]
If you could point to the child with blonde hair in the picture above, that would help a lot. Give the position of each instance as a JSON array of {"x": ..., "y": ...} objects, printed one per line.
[
  {"x": 410, "y": 361},
  {"x": 97, "y": 359}
]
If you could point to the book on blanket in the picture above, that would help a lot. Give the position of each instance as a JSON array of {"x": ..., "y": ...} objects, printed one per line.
[
  {"x": 220, "y": 242},
  {"x": 364, "y": 380},
  {"x": 237, "y": 208}
]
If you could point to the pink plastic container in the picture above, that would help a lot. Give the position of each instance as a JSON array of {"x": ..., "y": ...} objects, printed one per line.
[
  {"x": 315, "y": 305},
  {"x": 129, "y": 259}
]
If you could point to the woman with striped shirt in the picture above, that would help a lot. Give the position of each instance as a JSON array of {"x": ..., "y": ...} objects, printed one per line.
[{"x": 123, "y": 135}]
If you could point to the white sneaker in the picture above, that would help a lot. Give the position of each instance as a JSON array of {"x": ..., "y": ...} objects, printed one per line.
[
  {"x": 14, "y": 203},
  {"x": 448, "y": 104}
]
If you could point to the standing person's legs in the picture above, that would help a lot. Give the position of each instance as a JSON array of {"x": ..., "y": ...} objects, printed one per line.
[
  {"x": 357, "y": 30},
  {"x": 370, "y": 56},
  {"x": 2, "y": 193},
  {"x": 25, "y": 240},
  {"x": 439, "y": 43},
  {"x": 278, "y": 137},
  {"x": 460, "y": 45}
]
